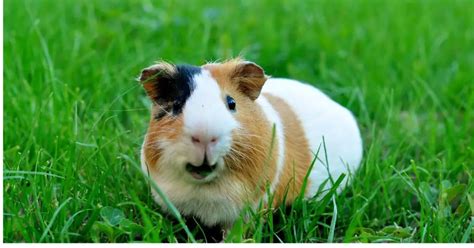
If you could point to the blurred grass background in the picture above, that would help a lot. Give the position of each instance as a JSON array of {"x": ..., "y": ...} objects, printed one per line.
[{"x": 74, "y": 117}]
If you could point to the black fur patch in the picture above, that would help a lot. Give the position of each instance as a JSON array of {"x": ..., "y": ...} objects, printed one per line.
[{"x": 174, "y": 90}]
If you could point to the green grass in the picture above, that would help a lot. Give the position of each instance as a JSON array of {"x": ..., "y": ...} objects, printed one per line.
[{"x": 74, "y": 117}]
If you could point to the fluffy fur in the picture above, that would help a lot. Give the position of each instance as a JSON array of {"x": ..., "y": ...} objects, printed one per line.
[
  {"x": 322, "y": 117},
  {"x": 248, "y": 154}
]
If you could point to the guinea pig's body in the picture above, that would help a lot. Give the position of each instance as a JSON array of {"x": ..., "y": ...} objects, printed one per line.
[{"x": 222, "y": 136}]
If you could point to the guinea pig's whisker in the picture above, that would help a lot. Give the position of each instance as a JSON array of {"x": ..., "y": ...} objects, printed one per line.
[
  {"x": 246, "y": 145},
  {"x": 164, "y": 109},
  {"x": 248, "y": 135},
  {"x": 257, "y": 149},
  {"x": 237, "y": 154}
]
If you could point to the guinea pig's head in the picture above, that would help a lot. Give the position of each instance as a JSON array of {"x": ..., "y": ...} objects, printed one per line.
[{"x": 197, "y": 116}]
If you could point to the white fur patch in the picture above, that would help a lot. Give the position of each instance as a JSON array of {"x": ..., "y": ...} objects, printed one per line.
[
  {"x": 274, "y": 119},
  {"x": 321, "y": 116},
  {"x": 205, "y": 108},
  {"x": 206, "y": 114}
]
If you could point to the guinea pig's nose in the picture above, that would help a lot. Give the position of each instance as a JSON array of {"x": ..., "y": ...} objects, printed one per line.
[{"x": 203, "y": 140}]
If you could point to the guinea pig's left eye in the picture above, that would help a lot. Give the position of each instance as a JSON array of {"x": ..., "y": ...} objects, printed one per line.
[{"x": 230, "y": 103}]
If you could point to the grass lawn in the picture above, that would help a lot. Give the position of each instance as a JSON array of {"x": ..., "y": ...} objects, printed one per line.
[{"x": 74, "y": 116}]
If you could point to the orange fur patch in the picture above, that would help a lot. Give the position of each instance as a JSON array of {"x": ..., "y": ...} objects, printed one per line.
[
  {"x": 297, "y": 153},
  {"x": 254, "y": 150},
  {"x": 166, "y": 128}
]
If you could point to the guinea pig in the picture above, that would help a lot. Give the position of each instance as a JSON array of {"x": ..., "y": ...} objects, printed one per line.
[{"x": 224, "y": 136}]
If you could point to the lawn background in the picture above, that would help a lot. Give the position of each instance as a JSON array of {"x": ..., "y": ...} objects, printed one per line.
[{"x": 74, "y": 116}]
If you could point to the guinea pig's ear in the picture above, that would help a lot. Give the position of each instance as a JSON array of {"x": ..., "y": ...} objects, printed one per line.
[
  {"x": 155, "y": 78},
  {"x": 250, "y": 77}
]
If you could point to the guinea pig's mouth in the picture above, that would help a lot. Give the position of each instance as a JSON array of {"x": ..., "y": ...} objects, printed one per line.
[{"x": 201, "y": 171}]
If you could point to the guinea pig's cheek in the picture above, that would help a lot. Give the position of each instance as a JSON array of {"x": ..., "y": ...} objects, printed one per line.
[
  {"x": 225, "y": 145},
  {"x": 218, "y": 151},
  {"x": 174, "y": 153},
  {"x": 212, "y": 154}
]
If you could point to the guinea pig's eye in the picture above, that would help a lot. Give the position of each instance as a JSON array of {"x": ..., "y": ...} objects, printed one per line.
[{"x": 230, "y": 103}]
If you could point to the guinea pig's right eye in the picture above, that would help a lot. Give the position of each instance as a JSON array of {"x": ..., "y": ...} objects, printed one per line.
[{"x": 230, "y": 103}]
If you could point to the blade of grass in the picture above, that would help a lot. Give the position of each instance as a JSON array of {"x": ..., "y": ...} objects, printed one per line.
[{"x": 51, "y": 222}]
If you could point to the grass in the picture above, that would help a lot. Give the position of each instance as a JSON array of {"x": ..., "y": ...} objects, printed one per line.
[{"x": 74, "y": 117}]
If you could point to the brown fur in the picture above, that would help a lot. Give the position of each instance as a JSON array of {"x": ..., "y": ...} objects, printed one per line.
[
  {"x": 252, "y": 143},
  {"x": 297, "y": 153},
  {"x": 252, "y": 161},
  {"x": 167, "y": 128}
]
